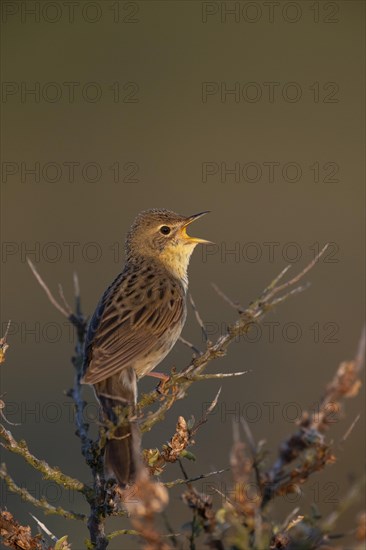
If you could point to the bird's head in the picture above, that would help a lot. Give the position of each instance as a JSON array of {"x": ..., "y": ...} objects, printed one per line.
[{"x": 162, "y": 235}]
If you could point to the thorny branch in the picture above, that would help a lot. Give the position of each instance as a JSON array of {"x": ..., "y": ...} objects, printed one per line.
[
  {"x": 90, "y": 449},
  {"x": 152, "y": 496},
  {"x": 253, "y": 314}
]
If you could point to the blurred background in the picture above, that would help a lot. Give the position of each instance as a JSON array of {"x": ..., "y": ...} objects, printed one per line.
[{"x": 253, "y": 110}]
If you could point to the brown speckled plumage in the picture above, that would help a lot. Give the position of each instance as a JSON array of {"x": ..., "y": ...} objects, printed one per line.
[
  {"x": 139, "y": 313},
  {"x": 135, "y": 325}
]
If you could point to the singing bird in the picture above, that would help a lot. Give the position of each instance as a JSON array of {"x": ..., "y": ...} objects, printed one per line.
[{"x": 136, "y": 323}]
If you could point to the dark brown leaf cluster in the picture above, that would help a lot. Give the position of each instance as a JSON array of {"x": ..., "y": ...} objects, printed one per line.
[
  {"x": 17, "y": 536},
  {"x": 155, "y": 459},
  {"x": 179, "y": 442}
]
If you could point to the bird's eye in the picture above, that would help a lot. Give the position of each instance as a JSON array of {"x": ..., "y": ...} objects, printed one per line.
[{"x": 165, "y": 230}]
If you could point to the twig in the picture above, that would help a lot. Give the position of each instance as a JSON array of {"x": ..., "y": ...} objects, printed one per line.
[
  {"x": 159, "y": 414},
  {"x": 294, "y": 522},
  {"x": 297, "y": 290},
  {"x": 44, "y": 528},
  {"x": 222, "y": 295},
  {"x": 115, "y": 534},
  {"x": 47, "y": 471},
  {"x": 350, "y": 429},
  {"x": 39, "y": 503},
  {"x": 276, "y": 289},
  {"x": 189, "y": 345},
  {"x": 170, "y": 484},
  {"x": 276, "y": 280},
  {"x": 62, "y": 296},
  {"x": 205, "y": 415},
  {"x": 232, "y": 503},
  {"x": 198, "y": 318},
  {"x": 49, "y": 294},
  {"x": 2, "y": 407},
  {"x": 3, "y": 339},
  {"x": 289, "y": 518},
  {"x": 78, "y": 311},
  {"x": 4, "y": 346},
  {"x": 183, "y": 470},
  {"x": 216, "y": 375}
]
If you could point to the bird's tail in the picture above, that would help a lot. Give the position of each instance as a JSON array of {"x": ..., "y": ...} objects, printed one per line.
[{"x": 117, "y": 396}]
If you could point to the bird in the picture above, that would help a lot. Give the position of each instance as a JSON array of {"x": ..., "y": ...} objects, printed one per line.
[{"x": 136, "y": 323}]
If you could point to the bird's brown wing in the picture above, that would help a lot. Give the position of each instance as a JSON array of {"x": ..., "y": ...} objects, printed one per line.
[{"x": 128, "y": 325}]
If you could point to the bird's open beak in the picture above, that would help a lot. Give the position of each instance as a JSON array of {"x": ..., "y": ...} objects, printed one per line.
[{"x": 187, "y": 223}]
